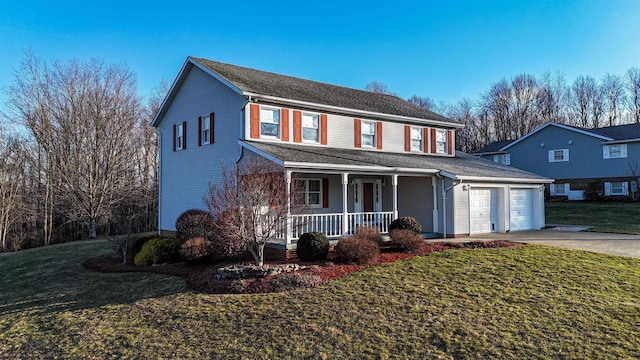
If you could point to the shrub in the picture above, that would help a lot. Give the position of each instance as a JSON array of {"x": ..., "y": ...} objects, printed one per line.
[
  {"x": 157, "y": 251},
  {"x": 406, "y": 223},
  {"x": 312, "y": 246},
  {"x": 370, "y": 233},
  {"x": 294, "y": 281},
  {"x": 357, "y": 249},
  {"x": 195, "y": 249},
  {"x": 128, "y": 245},
  {"x": 406, "y": 241},
  {"x": 194, "y": 223}
]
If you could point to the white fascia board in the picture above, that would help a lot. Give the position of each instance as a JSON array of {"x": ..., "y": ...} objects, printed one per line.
[
  {"x": 358, "y": 168},
  {"x": 490, "y": 153},
  {"x": 562, "y": 126},
  {"x": 261, "y": 153},
  {"x": 508, "y": 180},
  {"x": 363, "y": 113},
  {"x": 613, "y": 142}
]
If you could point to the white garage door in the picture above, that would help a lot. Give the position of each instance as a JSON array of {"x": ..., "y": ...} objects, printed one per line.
[
  {"x": 483, "y": 210},
  {"x": 521, "y": 217}
]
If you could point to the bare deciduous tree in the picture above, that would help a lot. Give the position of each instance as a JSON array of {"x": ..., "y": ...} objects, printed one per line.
[
  {"x": 613, "y": 90},
  {"x": 583, "y": 91},
  {"x": 423, "y": 102},
  {"x": 633, "y": 100},
  {"x": 251, "y": 204},
  {"x": 378, "y": 87}
]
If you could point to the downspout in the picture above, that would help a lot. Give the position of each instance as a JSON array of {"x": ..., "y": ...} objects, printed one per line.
[
  {"x": 444, "y": 202},
  {"x": 159, "y": 175}
]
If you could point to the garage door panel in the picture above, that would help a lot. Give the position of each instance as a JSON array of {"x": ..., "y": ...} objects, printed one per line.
[
  {"x": 483, "y": 210},
  {"x": 521, "y": 216}
]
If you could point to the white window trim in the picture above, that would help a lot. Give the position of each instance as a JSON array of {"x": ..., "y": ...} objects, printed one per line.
[
  {"x": 374, "y": 134},
  {"x": 205, "y": 124},
  {"x": 553, "y": 189},
  {"x": 565, "y": 155},
  {"x": 262, "y": 120},
  {"x": 420, "y": 137},
  {"x": 606, "y": 151},
  {"x": 302, "y": 127},
  {"x": 307, "y": 192},
  {"x": 179, "y": 136},
  {"x": 445, "y": 142}
]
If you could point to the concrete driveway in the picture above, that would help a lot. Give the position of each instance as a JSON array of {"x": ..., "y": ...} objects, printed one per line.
[{"x": 571, "y": 237}]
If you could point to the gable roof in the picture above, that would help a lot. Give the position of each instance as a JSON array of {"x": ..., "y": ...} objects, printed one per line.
[
  {"x": 251, "y": 82},
  {"x": 562, "y": 126},
  {"x": 462, "y": 166},
  {"x": 619, "y": 132},
  {"x": 493, "y": 148}
]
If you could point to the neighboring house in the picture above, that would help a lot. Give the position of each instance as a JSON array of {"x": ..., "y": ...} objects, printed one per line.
[
  {"x": 585, "y": 163},
  {"x": 362, "y": 157}
]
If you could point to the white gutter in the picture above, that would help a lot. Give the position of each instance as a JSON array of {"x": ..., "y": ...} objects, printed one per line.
[
  {"x": 620, "y": 141},
  {"x": 493, "y": 179},
  {"x": 353, "y": 111}
]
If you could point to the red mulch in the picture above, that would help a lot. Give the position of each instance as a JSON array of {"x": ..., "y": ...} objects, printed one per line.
[{"x": 201, "y": 277}]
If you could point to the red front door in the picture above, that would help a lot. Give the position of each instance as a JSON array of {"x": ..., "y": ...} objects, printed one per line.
[{"x": 367, "y": 197}]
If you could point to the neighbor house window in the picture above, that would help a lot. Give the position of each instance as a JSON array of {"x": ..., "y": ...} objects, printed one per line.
[
  {"x": 614, "y": 151},
  {"x": 205, "y": 129},
  {"x": 368, "y": 133},
  {"x": 504, "y": 159},
  {"x": 179, "y": 134},
  {"x": 560, "y": 189},
  {"x": 416, "y": 139},
  {"x": 558, "y": 155},
  {"x": 308, "y": 192},
  {"x": 310, "y": 127},
  {"x": 441, "y": 141},
  {"x": 270, "y": 122}
]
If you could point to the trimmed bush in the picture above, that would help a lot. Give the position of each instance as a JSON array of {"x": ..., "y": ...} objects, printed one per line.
[
  {"x": 407, "y": 241},
  {"x": 129, "y": 245},
  {"x": 406, "y": 223},
  {"x": 157, "y": 251},
  {"x": 312, "y": 246},
  {"x": 195, "y": 249},
  {"x": 194, "y": 223},
  {"x": 357, "y": 249},
  {"x": 370, "y": 233}
]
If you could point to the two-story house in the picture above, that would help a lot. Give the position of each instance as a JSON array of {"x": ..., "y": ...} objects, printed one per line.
[
  {"x": 362, "y": 157},
  {"x": 585, "y": 163}
]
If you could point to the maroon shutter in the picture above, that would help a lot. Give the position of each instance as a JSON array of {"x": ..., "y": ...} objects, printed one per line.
[
  {"x": 211, "y": 123},
  {"x": 449, "y": 142},
  {"x": 357, "y": 133},
  {"x": 174, "y": 136},
  {"x": 425, "y": 140},
  {"x": 325, "y": 193},
  {"x": 199, "y": 130},
  {"x": 433, "y": 141},
  {"x": 379, "y": 135},
  {"x": 184, "y": 135}
]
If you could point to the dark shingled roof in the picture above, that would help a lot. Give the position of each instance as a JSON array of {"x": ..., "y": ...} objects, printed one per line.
[
  {"x": 619, "y": 132},
  {"x": 288, "y": 87},
  {"x": 461, "y": 165},
  {"x": 494, "y": 147}
]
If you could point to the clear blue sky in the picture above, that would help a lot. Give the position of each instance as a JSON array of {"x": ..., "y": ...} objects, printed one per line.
[{"x": 446, "y": 50}]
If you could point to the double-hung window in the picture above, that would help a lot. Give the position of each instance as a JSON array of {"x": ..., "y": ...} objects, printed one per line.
[
  {"x": 310, "y": 127},
  {"x": 614, "y": 151},
  {"x": 205, "y": 129},
  {"x": 368, "y": 133},
  {"x": 308, "y": 192},
  {"x": 417, "y": 142},
  {"x": 503, "y": 159},
  {"x": 441, "y": 141},
  {"x": 179, "y": 138},
  {"x": 270, "y": 122},
  {"x": 558, "y": 155}
]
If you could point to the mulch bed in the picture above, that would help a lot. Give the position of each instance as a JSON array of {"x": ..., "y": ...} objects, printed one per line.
[{"x": 201, "y": 277}]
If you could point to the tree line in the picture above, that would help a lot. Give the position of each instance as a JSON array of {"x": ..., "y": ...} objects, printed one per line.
[
  {"x": 78, "y": 157},
  {"x": 513, "y": 107}
]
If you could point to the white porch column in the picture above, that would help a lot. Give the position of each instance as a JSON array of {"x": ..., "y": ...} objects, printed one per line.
[
  {"x": 394, "y": 184},
  {"x": 287, "y": 230},
  {"x": 436, "y": 222},
  {"x": 345, "y": 183}
]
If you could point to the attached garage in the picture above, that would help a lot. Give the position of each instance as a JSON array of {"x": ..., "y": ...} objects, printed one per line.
[
  {"x": 521, "y": 214},
  {"x": 483, "y": 210}
]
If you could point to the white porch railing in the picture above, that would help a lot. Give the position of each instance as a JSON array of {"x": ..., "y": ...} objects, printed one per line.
[{"x": 331, "y": 224}]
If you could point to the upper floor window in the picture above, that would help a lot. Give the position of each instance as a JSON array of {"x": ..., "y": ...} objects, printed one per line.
[
  {"x": 368, "y": 133},
  {"x": 558, "y": 155},
  {"x": 179, "y": 136},
  {"x": 441, "y": 141},
  {"x": 270, "y": 122},
  {"x": 614, "y": 151},
  {"x": 504, "y": 159},
  {"x": 205, "y": 129},
  {"x": 417, "y": 143},
  {"x": 310, "y": 127},
  {"x": 308, "y": 192}
]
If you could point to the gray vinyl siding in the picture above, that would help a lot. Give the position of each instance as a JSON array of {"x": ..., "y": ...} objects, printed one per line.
[
  {"x": 415, "y": 199},
  {"x": 585, "y": 155},
  {"x": 185, "y": 174},
  {"x": 458, "y": 201}
]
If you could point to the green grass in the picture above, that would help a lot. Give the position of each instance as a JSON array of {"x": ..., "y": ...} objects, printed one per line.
[
  {"x": 520, "y": 302},
  {"x": 611, "y": 217}
]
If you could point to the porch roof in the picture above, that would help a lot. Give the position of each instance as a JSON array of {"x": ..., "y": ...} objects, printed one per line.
[{"x": 461, "y": 167}]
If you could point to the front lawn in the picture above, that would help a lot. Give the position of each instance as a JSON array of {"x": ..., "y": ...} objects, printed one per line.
[
  {"x": 623, "y": 218},
  {"x": 517, "y": 302}
]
